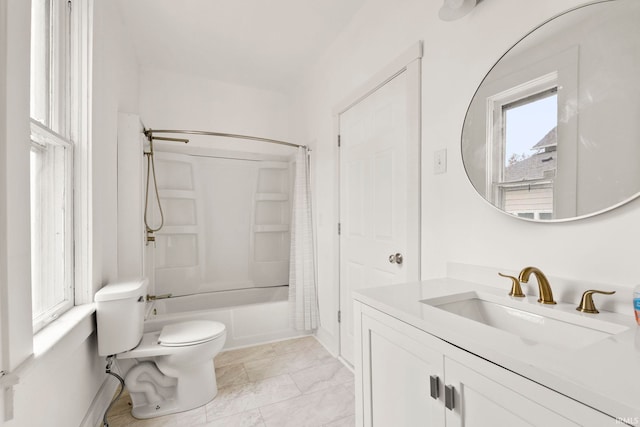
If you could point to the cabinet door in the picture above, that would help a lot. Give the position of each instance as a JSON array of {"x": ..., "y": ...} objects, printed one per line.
[
  {"x": 490, "y": 396},
  {"x": 397, "y": 368}
]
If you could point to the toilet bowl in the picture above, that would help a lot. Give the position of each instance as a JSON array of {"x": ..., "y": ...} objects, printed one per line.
[
  {"x": 183, "y": 351},
  {"x": 172, "y": 369}
]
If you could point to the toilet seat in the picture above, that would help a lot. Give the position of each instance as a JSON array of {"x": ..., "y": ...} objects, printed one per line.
[
  {"x": 178, "y": 338},
  {"x": 190, "y": 333}
]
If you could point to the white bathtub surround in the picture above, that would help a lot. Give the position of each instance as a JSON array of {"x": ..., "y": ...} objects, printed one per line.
[
  {"x": 252, "y": 316},
  {"x": 303, "y": 294},
  {"x": 223, "y": 253},
  {"x": 287, "y": 383},
  {"x": 226, "y": 221}
]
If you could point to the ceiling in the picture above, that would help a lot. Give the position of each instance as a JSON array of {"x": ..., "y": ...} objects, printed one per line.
[{"x": 267, "y": 44}]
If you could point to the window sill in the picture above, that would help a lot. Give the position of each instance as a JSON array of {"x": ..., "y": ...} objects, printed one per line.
[
  {"x": 56, "y": 341},
  {"x": 53, "y": 343},
  {"x": 71, "y": 329}
]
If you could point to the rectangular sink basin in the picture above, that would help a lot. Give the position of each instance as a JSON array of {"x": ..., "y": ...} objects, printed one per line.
[{"x": 533, "y": 325}]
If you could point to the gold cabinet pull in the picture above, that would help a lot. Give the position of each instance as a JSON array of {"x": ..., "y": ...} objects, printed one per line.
[{"x": 587, "y": 305}]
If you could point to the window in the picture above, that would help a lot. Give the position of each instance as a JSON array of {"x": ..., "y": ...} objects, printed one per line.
[
  {"x": 522, "y": 154},
  {"x": 530, "y": 155},
  {"x": 51, "y": 167},
  {"x": 531, "y": 121}
]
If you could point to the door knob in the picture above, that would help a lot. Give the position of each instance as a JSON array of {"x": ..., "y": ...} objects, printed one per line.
[{"x": 395, "y": 258}]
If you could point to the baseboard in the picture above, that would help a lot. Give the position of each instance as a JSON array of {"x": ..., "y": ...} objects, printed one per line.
[
  {"x": 328, "y": 340},
  {"x": 93, "y": 417},
  {"x": 332, "y": 350}
]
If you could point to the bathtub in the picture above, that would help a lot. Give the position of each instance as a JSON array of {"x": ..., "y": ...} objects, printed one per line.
[{"x": 252, "y": 316}]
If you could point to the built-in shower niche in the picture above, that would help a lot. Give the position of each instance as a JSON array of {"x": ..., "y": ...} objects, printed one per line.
[
  {"x": 174, "y": 174},
  {"x": 271, "y": 220},
  {"x": 179, "y": 211},
  {"x": 176, "y": 254}
]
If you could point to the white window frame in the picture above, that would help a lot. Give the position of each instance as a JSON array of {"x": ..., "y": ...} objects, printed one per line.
[
  {"x": 44, "y": 138},
  {"x": 536, "y": 214},
  {"x": 74, "y": 121},
  {"x": 496, "y": 133},
  {"x": 535, "y": 75},
  {"x": 80, "y": 130}
]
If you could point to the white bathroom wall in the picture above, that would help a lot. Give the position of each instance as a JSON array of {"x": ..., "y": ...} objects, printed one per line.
[
  {"x": 61, "y": 386},
  {"x": 3, "y": 190},
  {"x": 170, "y": 100},
  {"x": 15, "y": 266},
  {"x": 457, "y": 225},
  {"x": 115, "y": 89},
  {"x": 598, "y": 249},
  {"x": 131, "y": 231}
]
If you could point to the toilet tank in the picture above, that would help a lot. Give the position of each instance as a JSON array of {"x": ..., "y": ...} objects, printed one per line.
[{"x": 120, "y": 309}]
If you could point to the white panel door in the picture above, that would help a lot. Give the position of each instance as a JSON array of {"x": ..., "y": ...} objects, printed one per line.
[{"x": 379, "y": 195}]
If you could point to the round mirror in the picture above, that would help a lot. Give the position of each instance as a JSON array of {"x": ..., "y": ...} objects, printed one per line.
[{"x": 553, "y": 131}]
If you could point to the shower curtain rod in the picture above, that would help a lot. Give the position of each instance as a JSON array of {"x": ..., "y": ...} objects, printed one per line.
[{"x": 149, "y": 133}]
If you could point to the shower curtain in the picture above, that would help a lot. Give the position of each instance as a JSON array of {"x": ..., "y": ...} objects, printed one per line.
[{"x": 303, "y": 295}]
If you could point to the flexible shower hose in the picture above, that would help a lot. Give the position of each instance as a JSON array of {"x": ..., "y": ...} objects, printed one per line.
[{"x": 151, "y": 169}]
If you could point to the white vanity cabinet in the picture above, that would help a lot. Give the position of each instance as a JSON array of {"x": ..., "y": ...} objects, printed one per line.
[
  {"x": 396, "y": 383},
  {"x": 403, "y": 376}
]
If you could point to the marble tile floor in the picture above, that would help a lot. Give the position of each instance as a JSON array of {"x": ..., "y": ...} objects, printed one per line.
[{"x": 288, "y": 383}]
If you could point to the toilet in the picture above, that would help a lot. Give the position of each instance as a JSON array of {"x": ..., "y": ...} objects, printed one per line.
[{"x": 167, "y": 371}]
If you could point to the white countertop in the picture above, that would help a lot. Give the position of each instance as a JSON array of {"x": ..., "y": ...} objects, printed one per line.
[{"x": 604, "y": 375}]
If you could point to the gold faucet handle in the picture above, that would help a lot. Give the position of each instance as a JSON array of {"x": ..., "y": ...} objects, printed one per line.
[
  {"x": 516, "y": 289},
  {"x": 587, "y": 305}
]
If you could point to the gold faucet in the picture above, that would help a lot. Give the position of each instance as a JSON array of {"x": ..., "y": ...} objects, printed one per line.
[{"x": 546, "y": 296}]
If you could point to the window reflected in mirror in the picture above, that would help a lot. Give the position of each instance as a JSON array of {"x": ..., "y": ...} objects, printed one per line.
[
  {"x": 575, "y": 81},
  {"x": 530, "y": 155}
]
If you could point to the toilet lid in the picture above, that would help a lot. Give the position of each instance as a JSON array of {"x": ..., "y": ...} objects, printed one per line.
[{"x": 190, "y": 333}]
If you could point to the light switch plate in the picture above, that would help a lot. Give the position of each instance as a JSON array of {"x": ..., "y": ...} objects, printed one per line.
[{"x": 440, "y": 161}]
